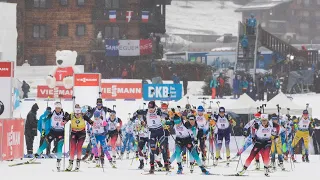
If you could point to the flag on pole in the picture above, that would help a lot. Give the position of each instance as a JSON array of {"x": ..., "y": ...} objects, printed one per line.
[
  {"x": 129, "y": 15},
  {"x": 145, "y": 16},
  {"x": 113, "y": 16}
]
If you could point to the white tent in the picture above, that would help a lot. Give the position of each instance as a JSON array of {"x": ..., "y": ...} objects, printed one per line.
[
  {"x": 243, "y": 105},
  {"x": 284, "y": 102}
]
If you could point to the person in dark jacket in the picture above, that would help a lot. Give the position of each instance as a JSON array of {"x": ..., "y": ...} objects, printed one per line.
[
  {"x": 316, "y": 136},
  {"x": 236, "y": 87},
  {"x": 31, "y": 126},
  {"x": 25, "y": 89},
  {"x": 185, "y": 84}
]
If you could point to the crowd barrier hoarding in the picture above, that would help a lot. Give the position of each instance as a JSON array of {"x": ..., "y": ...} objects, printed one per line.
[
  {"x": 162, "y": 92},
  {"x": 86, "y": 88},
  {"x": 11, "y": 139},
  {"x": 121, "y": 90}
]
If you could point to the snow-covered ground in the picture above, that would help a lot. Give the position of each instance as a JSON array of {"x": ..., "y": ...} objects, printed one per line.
[
  {"x": 202, "y": 17},
  {"x": 125, "y": 170}
]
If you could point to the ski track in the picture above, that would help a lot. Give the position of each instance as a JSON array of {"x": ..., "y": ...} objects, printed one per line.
[{"x": 47, "y": 169}]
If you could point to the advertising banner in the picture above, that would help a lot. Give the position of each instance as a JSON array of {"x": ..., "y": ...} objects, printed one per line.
[
  {"x": 145, "y": 46},
  {"x": 121, "y": 90},
  {"x": 59, "y": 91},
  {"x": 12, "y": 141},
  {"x": 129, "y": 47},
  {"x": 6, "y": 89},
  {"x": 87, "y": 79},
  {"x": 162, "y": 92},
  {"x": 86, "y": 88}
]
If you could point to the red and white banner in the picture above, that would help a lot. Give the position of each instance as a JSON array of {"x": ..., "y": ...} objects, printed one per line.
[
  {"x": 6, "y": 69},
  {"x": 59, "y": 91},
  {"x": 145, "y": 46},
  {"x": 12, "y": 141},
  {"x": 87, "y": 79},
  {"x": 121, "y": 90},
  {"x": 6, "y": 89},
  {"x": 86, "y": 88}
]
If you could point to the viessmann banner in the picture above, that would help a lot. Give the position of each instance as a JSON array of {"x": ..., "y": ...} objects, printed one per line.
[{"x": 121, "y": 90}]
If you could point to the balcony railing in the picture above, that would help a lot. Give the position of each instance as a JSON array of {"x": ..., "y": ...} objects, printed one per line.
[{"x": 103, "y": 15}]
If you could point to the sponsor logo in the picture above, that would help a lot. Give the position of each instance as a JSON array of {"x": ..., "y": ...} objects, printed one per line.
[
  {"x": 59, "y": 91},
  {"x": 87, "y": 80},
  {"x": 121, "y": 90},
  {"x": 4, "y": 69}
]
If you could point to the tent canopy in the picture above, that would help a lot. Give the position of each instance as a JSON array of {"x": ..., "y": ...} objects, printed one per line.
[
  {"x": 244, "y": 105},
  {"x": 284, "y": 102}
]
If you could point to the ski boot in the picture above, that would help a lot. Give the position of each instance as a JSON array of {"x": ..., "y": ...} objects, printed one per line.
[
  {"x": 204, "y": 161},
  {"x": 151, "y": 171},
  {"x": 204, "y": 171},
  {"x": 91, "y": 157},
  {"x": 114, "y": 159},
  {"x": 159, "y": 165},
  {"x": 69, "y": 168},
  {"x": 121, "y": 156},
  {"x": 281, "y": 166},
  {"x": 293, "y": 159},
  {"x": 137, "y": 154},
  {"x": 58, "y": 164},
  {"x": 273, "y": 165},
  {"x": 34, "y": 158},
  {"x": 85, "y": 156},
  {"x": 215, "y": 163},
  {"x": 141, "y": 166},
  {"x": 212, "y": 156},
  {"x": 180, "y": 169},
  {"x": 307, "y": 158},
  {"x": 166, "y": 166},
  {"x": 257, "y": 165},
  {"x": 266, "y": 171},
  {"x": 228, "y": 161},
  {"x": 77, "y": 165},
  {"x": 303, "y": 158},
  {"x": 97, "y": 162},
  {"x": 191, "y": 167},
  {"x": 127, "y": 157},
  {"x": 242, "y": 171},
  {"x": 112, "y": 164}
]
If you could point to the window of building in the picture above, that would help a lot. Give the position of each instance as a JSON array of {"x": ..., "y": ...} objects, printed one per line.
[
  {"x": 318, "y": 2},
  {"x": 63, "y": 30},
  {"x": 318, "y": 26},
  {"x": 304, "y": 25},
  {"x": 317, "y": 13},
  {"x": 81, "y": 29},
  {"x": 306, "y": 2},
  {"x": 273, "y": 25},
  {"x": 80, "y": 2},
  {"x": 39, "y": 31},
  {"x": 80, "y": 60},
  {"x": 298, "y": 1},
  {"x": 112, "y": 3},
  {"x": 40, "y": 3},
  {"x": 64, "y": 2},
  {"x": 38, "y": 60},
  {"x": 112, "y": 32}
]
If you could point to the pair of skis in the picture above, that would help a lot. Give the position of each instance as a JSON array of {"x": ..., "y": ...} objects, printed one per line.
[{"x": 23, "y": 163}]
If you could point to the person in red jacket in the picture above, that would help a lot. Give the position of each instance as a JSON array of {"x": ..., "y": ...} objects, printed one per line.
[{"x": 263, "y": 134}]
